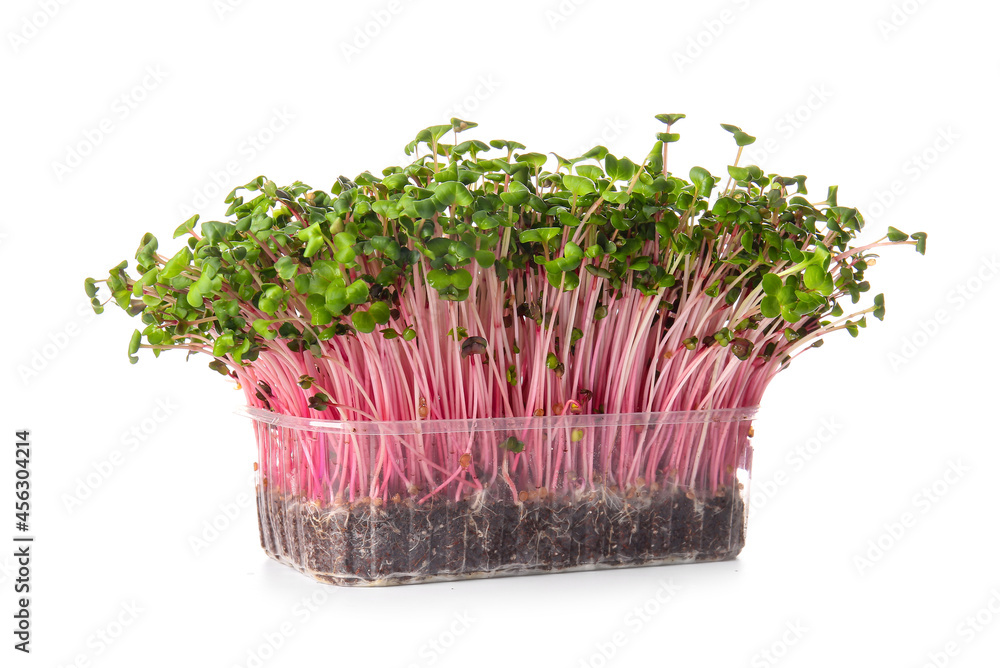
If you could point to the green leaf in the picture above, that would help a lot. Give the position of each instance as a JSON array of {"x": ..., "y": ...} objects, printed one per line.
[
  {"x": 771, "y": 283},
  {"x": 426, "y": 208},
  {"x": 568, "y": 219},
  {"x": 827, "y": 287},
  {"x": 380, "y": 312},
  {"x": 600, "y": 272},
  {"x": 579, "y": 185},
  {"x": 484, "y": 221},
  {"x": 461, "y": 279},
  {"x": 618, "y": 169},
  {"x": 879, "y": 311},
  {"x": 702, "y": 180},
  {"x": 512, "y": 443},
  {"x": 344, "y": 245},
  {"x": 725, "y": 206},
  {"x": 133, "y": 346},
  {"x": 742, "y": 138},
  {"x": 442, "y": 279},
  {"x": 385, "y": 208},
  {"x": 394, "y": 182},
  {"x": 433, "y": 133},
  {"x": 387, "y": 246},
  {"x": 438, "y": 279},
  {"x": 503, "y": 143},
  {"x": 223, "y": 345},
  {"x": 452, "y": 193},
  {"x": 619, "y": 197},
  {"x": 458, "y": 125},
  {"x": 286, "y": 267},
  {"x": 262, "y": 327},
  {"x": 611, "y": 166},
  {"x": 175, "y": 265},
  {"x": 536, "y": 160},
  {"x": 896, "y": 235},
  {"x": 769, "y": 307},
  {"x": 786, "y": 295},
  {"x": 669, "y": 119},
  {"x": 738, "y": 173},
  {"x": 363, "y": 321},
  {"x": 921, "y": 239},
  {"x": 538, "y": 235},
  {"x": 485, "y": 258},
  {"x": 356, "y": 292},
  {"x": 215, "y": 231},
  {"x": 186, "y": 226},
  {"x": 195, "y": 298},
  {"x": 814, "y": 277},
  {"x": 516, "y": 194}
]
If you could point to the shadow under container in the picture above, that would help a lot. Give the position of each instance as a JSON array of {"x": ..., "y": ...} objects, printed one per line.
[{"x": 383, "y": 503}]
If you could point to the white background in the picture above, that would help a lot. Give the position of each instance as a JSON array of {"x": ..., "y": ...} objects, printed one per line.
[{"x": 894, "y": 101}]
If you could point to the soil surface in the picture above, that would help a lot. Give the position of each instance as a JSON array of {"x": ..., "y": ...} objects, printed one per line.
[{"x": 403, "y": 541}]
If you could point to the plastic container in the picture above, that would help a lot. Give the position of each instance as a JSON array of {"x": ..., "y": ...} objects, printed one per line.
[{"x": 382, "y": 503}]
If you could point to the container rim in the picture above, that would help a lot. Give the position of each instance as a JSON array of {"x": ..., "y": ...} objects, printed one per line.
[{"x": 397, "y": 428}]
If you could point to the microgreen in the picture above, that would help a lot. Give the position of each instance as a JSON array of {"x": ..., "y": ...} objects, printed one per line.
[{"x": 475, "y": 282}]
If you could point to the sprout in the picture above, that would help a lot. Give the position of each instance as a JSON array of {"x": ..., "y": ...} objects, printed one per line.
[{"x": 473, "y": 345}]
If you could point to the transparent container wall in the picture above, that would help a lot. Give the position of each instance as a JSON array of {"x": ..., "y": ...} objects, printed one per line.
[{"x": 379, "y": 503}]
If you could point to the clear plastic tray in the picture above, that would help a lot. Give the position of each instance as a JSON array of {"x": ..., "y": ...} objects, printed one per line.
[{"x": 381, "y": 503}]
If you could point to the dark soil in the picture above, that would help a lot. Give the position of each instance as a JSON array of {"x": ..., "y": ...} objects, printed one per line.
[{"x": 403, "y": 541}]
